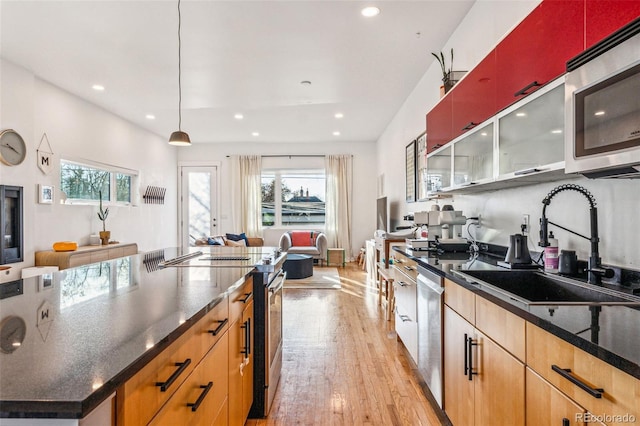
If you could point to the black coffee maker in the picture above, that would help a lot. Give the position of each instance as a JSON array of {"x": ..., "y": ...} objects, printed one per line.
[{"x": 518, "y": 256}]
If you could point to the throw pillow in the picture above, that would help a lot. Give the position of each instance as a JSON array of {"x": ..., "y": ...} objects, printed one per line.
[
  {"x": 239, "y": 243},
  {"x": 215, "y": 241},
  {"x": 238, "y": 237},
  {"x": 303, "y": 238}
]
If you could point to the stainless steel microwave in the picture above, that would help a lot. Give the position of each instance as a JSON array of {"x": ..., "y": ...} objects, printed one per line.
[{"x": 602, "y": 121}]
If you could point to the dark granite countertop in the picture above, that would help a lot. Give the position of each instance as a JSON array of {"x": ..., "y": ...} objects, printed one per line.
[
  {"x": 95, "y": 326},
  {"x": 616, "y": 341}
]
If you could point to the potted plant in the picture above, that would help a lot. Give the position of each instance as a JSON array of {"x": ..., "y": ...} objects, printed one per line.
[
  {"x": 102, "y": 215},
  {"x": 449, "y": 77}
]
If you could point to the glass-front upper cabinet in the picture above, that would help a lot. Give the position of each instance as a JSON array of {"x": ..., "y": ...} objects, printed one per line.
[
  {"x": 473, "y": 157},
  {"x": 531, "y": 133},
  {"x": 439, "y": 169}
]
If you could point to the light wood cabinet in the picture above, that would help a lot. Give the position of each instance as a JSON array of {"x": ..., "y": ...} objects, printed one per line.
[
  {"x": 484, "y": 383},
  {"x": 197, "y": 401},
  {"x": 548, "y": 406},
  {"x": 84, "y": 255},
  {"x": 142, "y": 396},
  {"x": 241, "y": 351},
  {"x": 603, "y": 390}
]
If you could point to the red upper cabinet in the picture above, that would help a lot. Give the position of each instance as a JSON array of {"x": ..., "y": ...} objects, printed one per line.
[
  {"x": 439, "y": 124},
  {"x": 604, "y": 17},
  {"x": 537, "y": 50},
  {"x": 474, "y": 97}
]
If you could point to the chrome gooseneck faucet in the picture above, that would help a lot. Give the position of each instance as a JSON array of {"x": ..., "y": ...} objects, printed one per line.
[{"x": 595, "y": 269}]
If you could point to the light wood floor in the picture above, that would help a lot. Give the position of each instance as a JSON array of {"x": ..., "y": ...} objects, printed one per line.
[{"x": 342, "y": 362}]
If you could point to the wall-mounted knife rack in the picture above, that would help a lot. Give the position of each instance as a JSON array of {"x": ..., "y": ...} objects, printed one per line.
[{"x": 154, "y": 195}]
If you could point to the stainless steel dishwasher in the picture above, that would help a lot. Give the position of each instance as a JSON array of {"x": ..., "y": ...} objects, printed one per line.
[{"x": 430, "y": 302}]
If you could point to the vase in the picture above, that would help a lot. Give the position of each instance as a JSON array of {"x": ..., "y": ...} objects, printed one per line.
[{"x": 104, "y": 237}]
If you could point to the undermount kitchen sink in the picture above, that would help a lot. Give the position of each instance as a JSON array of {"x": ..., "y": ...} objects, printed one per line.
[{"x": 538, "y": 288}]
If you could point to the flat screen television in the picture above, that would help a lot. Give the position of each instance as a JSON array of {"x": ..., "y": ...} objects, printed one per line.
[{"x": 382, "y": 214}]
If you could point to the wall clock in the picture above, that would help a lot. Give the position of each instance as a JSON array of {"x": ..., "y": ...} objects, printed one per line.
[
  {"x": 13, "y": 150},
  {"x": 12, "y": 332}
]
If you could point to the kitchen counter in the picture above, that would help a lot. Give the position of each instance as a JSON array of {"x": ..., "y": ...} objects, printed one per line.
[
  {"x": 615, "y": 328},
  {"x": 91, "y": 328}
]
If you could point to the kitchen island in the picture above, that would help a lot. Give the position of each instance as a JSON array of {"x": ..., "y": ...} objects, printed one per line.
[{"x": 88, "y": 330}]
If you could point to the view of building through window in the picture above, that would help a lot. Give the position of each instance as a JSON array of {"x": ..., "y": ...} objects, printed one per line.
[{"x": 293, "y": 197}]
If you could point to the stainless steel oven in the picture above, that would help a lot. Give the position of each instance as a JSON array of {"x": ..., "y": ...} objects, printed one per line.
[
  {"x": 267, "y": 308},
  {"x": 603, "y": 108}
]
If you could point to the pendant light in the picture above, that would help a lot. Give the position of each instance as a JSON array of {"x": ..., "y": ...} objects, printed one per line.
[{"x": 179, "y": 138}]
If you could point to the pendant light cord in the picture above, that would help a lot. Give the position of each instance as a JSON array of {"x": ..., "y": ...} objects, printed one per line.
[{"x": 179, "y": 71}]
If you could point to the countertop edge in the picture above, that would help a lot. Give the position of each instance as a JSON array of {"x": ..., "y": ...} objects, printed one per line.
[{"x": 80, "y": 409}]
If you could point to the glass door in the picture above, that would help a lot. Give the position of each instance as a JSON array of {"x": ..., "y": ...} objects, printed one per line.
[{"x": 199, "y": 203}]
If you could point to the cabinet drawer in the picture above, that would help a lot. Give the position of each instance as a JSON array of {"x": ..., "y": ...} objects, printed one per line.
[
  {"x": 408, "y": 268},
  {"x": 210, "y": 328},
  {"x": 546, "y": 405},
  {"x": 78, "y": 260},
  {"x": 206, "y": 387},
  {"x": 114, "y": 253},
  {"x": 405, "y": 293},
  {"x": 130, "y": 250},
  {"x": 239, "y": 299},
  {"x": 460, "y": 300},
  {"x": 407, "y": 330},
  {"x": 139, "y": 399},
  {"x": 505, "y": 328},
  {"x": 621, "y": 392},
  {"x": 99, "y": 256}
]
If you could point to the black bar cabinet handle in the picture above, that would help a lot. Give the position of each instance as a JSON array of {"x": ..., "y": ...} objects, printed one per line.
[
  {"x": 247, "y": 296},
  {"x": 247, "y": 337},
  {"x": 194, "y": 405},
  {"x": 466, "y": 355},
  {"x": 566, "y": 373},
  {"x": 181, "y": 367},
  {"x": 470, "y": 126},
  {"x": 565, "y": 422},
  {"x": 529, "y": 86},
  {"x": 402, "y": 284},
  {"x": 220, "y": 326},
  {"x": 471, "y": 344}
]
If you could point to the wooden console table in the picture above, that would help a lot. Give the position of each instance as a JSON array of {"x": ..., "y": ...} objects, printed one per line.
[{"x": 84, "y": 255}]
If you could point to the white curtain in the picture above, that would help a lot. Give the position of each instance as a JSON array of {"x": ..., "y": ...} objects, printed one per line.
[
  {"x": 338, "y": 206},
  {"x": 246, "y": 194}
]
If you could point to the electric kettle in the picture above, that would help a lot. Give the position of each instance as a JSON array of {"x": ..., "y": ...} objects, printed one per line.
[{"x": 518, "y": 252}]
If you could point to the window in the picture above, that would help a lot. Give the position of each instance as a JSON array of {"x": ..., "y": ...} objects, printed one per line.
[
  {"x": 293, "y": 198},
  {"x": 83, "y": 183}
]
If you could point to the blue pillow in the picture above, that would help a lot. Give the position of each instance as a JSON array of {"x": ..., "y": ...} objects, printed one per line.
[
  {"x": 238, "y": 237},
  {"x": 214, "y": 242}
]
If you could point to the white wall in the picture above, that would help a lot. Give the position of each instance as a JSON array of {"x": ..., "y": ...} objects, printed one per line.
[
  {"x": 501, "y": 211},
  {"x": 80, "y": 130},
  {"x": 364, "y": 178}
]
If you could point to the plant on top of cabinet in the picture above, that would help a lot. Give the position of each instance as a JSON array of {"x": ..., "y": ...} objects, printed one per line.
[
  {"x": 102, "y": 215},
  {"x": 449, "y": 77}
]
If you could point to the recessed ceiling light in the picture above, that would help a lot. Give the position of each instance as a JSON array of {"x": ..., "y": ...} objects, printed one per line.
[
  {"x": 255, "y": 134},
  {"x": 370, "y": 11},
  {"x": 98, "y": 87},
  {"x": 483, "y": 134},
  {"x": 521, "y": 114},
  {"x": 599, "y": 113},
  {"x": 339, "y": 115},
  {"x": 150, "y": 117},
  {"x": 336, "y": 133},
  {"x": 238, "y": 116},
  {"x": 557, "y": 131}
]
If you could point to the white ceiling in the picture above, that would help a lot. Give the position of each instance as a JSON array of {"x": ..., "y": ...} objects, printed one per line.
[{"x": 238, "y": 56}]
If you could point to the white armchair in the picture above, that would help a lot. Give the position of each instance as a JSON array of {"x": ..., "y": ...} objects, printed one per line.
[{"x": 311, "y": 243}]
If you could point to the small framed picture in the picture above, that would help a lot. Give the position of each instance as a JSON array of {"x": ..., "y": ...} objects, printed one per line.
[
  {"x": 45, "y": 282},
  {"x": 45, "y": 194}
]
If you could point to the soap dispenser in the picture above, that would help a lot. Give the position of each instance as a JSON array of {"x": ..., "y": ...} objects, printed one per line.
[{"x": 551, "y": 255}]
